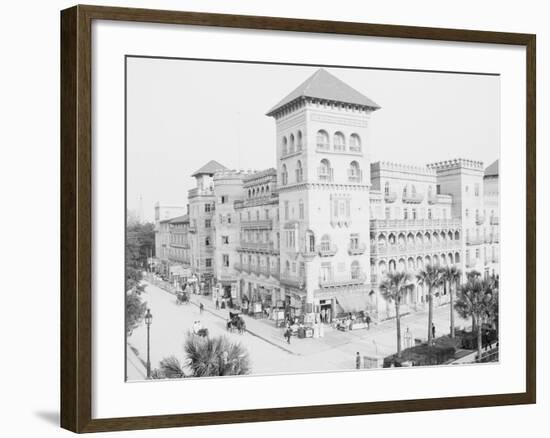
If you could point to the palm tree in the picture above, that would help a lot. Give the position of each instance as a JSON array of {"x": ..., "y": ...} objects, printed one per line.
[
  {"x": 392, "y": 288},
  {"x": 430, "y": 276},
  {"x": 456, "y": 275},
  {"x": 215, "y": 356},
  {"x": 476, "y": 298},
  {"x": 450, "y": 275}
]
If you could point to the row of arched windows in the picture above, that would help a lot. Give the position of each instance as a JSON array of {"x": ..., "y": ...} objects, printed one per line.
[
  {"x": 292, "y": 143},
  {"x": 325, "y": 172},
  {"x": 258, "y": 191},
  {"x": 406, "y": 191},
  {"x": 338, "y": 142}
]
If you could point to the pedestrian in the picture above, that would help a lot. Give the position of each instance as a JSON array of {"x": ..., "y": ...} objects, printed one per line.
[
  {"x": 323, "y": 315},
  {"x": 368, "y": 321},
  {"x": 433, "y": 331},
  {"x": 288, "y": 334},
  {"x": 358, "y": 361},
  {"x": 201, "y": 307},
  {"x": 217, "y": 304}
]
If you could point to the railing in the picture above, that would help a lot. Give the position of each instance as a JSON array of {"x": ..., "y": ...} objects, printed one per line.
[
  {"x": 323, "y": 146},
  {"x": 325, "y": 174},
  {"x": 474, "y": 241},
  {"x": 325, "y": 251},
  {"x": 403, "y": 249},
  {"x": 390, "y": 197},
  {"x": 257, "y": 246},
  {"x": 415, "y": 198},
  {"x": 200, "y": 192},
  {"x": 350, "y": 280},
  {"x": 357, "y": 249},
  {"x": 494, "y": 220},
  {"x": 291, "y": 280},
  {"x": 260, "y": 224},
  {"x": 432, "y": 199},
  {"x": 400, "y": 224},
  {"x": 192, "y": 228}
]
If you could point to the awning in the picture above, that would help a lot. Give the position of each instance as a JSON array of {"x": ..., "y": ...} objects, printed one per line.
[{"x": 354, "y": 303}]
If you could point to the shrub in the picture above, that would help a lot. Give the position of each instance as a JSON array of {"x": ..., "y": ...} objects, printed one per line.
[{"x": 443, "y": 349}]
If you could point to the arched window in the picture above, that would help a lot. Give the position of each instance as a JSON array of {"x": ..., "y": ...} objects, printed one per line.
[
  {"x": 285, "y": 146},
  {"x": 299, "y": 172},
  {"x": 405, "y": 192},
  {"x": 291, "y": 148},
  {"x": 299, "y": 141},
  {"x": 339, "y": 142},
  {"x": 284, "y": 176},
  {"x": 325, "y": 171},
  {"x": 413, "y": 190},
  {"x": 322, "y": 140},
  {"x": 387, "y": 188},
  {"x": 249, "y": 193},
  {"x": 354, "y": 172},
  {"x": 325, "y": 243},
  {"x": 287, "y": 266},
  {"x": 354, "y": 143},
  {"x": 355, "y": 270}
]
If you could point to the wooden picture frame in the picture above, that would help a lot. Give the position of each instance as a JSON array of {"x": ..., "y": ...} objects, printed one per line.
[{"x": 76, "y": 217}]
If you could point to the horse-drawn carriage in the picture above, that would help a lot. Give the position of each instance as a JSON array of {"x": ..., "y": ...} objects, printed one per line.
[
  {"x": 236, "y": 322},
  {"x": 182, "y": 298}
]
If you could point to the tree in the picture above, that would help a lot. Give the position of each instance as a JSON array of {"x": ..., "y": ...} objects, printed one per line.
[
  {"x": 476, "y": 299},
  {"x": 392, "y": 288},
  {"x": 215, "y": 356},
  {"x": 430, "y": 276},
  {"x": 170, "y": 368},
  {"x": 451, "y": 275},
  {"x": 135, "y": 311}
]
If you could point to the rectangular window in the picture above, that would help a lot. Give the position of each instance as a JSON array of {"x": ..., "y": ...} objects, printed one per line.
[
  {"x": 414, "y": 216},
  {"x": 208, "y": 263},
  {"x": 286, "y": 210},
  {"x": 267, "y": 214},
  {"x": 207, "y": 208},
  {"x": 207, "y": 223},
  {"x": 476, "y": 189},
  {"x": 429, "y": 213},
  {"x": 438, "y": 189},
  {"x": 387, "y": 213},
  {"x": 223, "y": 199},
  {"x": 225, "y": 240},
  {"x": 301, "y": 210},
  {"x": 354, "y": 241},
  {"x": 405, "y": 213},
  {"x": 225, "y": 260},
  {"x": 228, "y": 218}
]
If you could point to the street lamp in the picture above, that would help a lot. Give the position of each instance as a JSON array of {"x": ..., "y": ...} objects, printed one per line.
[{"x": 148, "y": 321}]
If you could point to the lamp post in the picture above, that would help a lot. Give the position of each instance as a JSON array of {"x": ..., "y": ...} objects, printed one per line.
[{"x": 148, "y": 321}]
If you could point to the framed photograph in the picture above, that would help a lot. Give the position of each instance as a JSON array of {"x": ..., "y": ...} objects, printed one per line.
[{"x": 270, "y": 218}]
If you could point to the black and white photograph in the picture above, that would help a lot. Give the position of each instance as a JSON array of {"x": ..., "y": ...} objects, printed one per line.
[{"x": 285, "y": 218}]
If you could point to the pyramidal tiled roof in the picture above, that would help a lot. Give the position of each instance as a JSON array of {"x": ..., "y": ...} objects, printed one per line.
[
  {"x": 210, "y": 168},
  {"x": 324, "y": 85},
  {"x": 492, "y": 170}
]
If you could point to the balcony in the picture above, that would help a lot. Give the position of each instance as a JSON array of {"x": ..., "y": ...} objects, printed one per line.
[
  {"x": 355, "y": 176},
  {"x": 327, "y": 250},
  {"x": 261, "y": 224},
  {"x": 308, "y": 253},
  {"x": 390, "y": 197},
  {"x": 432, "y": 199},
  {"x": 342, "y": 281},
  {"x": 494, "y": 220},
  {"x": 415, "y": 198},
  {"x": 193, "y": 193},
  {"x": 296, "y": 281},
  {"x": 257, "y": 246},
  {"x": 474, "y": 241},
  {"x": 192, "y": 228},
  {"x": 325, "y": 174},
  {"x": 357, "y": 249},
  {"x": 480, "y": 220},
  {"x": 410, "y": 224}
]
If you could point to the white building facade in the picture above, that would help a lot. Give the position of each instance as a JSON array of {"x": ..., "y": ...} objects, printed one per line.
[{"x": 316, "y": 234}]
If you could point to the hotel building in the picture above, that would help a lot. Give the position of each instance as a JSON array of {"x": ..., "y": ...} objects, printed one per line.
[{"x": 318, "y": 232}]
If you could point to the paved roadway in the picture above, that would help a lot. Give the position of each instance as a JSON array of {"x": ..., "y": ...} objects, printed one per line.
[{"x": 269, "y": 352}]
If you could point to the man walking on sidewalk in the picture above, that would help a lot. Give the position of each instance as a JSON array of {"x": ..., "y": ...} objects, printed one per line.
[{"x": 201, "y": 307}]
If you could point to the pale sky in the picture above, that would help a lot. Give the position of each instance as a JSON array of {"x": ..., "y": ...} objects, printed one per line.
[{"x": 183, "y": 113}]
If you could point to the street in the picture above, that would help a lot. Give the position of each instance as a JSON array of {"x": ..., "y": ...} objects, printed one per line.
[{"x": 268, "y": 350}]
